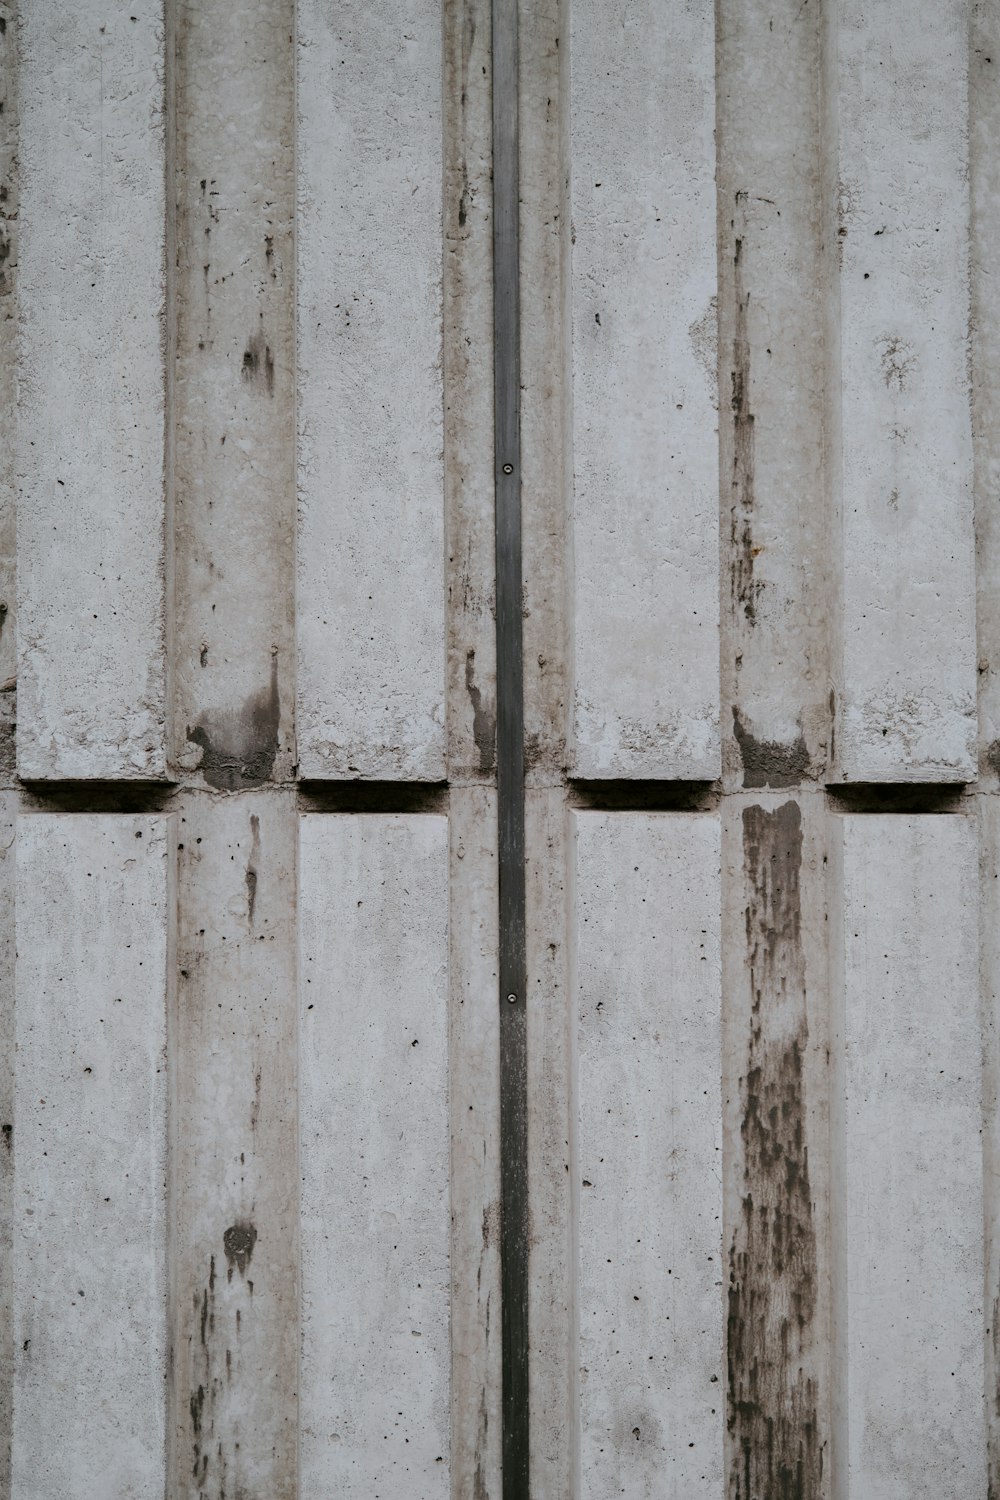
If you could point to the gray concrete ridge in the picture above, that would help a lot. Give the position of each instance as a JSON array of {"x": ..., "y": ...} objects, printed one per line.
[{"x": 499, "y": 499}]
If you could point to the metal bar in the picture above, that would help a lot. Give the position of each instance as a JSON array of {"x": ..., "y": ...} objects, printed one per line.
[{"x": 510, "y": 756}]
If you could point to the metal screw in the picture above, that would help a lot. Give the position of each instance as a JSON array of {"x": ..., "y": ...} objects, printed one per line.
[
  {"x": 512, "y": 999},
  {"x": 508, "y": 468}
]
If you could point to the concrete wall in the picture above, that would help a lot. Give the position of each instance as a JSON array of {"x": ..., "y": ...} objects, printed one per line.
[{"x": 250, "y": 1173}]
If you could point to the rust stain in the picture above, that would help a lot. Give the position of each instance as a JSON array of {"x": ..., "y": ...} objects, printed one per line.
[{"x": 772, "y": 1401}]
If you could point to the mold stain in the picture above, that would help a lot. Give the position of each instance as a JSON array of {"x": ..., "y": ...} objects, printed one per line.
[
  {"x": 772, "y": 1400},
  {"x": 240, "y": 745},
  {"x": 483, "y": 717},
  {"x": 745, "y": 588},
  {"x": 769, "y": 762}
]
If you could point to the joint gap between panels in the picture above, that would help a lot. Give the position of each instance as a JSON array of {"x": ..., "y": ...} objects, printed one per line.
[
  {"x": 644, "y": 796},
  {"x": 901, "y": 797},
  {"x": 97, "y": 796},
  {"x": 373, "y": 797}
]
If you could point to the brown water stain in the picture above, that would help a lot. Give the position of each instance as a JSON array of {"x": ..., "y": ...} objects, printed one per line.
[{"x": 773, "y": 1416}]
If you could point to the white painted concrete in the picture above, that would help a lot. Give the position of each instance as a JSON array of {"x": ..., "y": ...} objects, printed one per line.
[
  {"x": 370, "y": 408},
  {"x": 645, "y": 609},
  {"x": 902, "y": 456},
  {"x": 374, "y": 1156},
  {"x": 649, "y": 1156},
  {"x": 90, "y": 1227},
  {"x": 91, "y": 382},
  {"x": 911, "y": 1313}
]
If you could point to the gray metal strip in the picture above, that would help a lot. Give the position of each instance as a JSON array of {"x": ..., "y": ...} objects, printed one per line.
[{"x": 510, "y": 756}]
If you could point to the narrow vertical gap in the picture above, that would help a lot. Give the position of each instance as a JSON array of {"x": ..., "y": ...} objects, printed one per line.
[{"x": 510, "y": 756}]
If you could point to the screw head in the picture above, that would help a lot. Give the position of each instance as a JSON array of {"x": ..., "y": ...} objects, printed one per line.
[
  {"x": 508, "y": 468},
  {"x": 512, "y": 999}
]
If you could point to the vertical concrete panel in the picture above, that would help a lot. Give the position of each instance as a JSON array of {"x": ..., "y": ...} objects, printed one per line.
[
  {"x": 90, "y": 1254},
  {"x": 370, "y": 398},
  {"x": 9, "y": 193},
  {"x": 910, "y": 1319},
  {"x": 374, "y": 1159},
  {"x": 474, "y": 1088},
  {"x": 645, "y": 608},
  {"x": 91, "y": 380},
  {"x": 775, "y": 519},
  {"x": 8, "y": 824},
  {"x": 235, "y": 1144},
  {"x": 468, "y": 391},
  {"x": 776, "y": 1145},
  {"x": 233, "y": 404},
  {"x": 649, "y": 1157},
  {"x": 901, "y": 425}
]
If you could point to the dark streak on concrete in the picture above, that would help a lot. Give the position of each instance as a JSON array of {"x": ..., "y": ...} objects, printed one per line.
[
  {"x": 993, "y": 756},
  {"x": 240, "y": 744},
  {"x": 252, "y": 865},
  {"x": 744, "y": 587},
  {"x": 769, "y": 762},
  {"x": 772, "y": 1403},
  {"x": 257, "y": 360},
  {"x": 238, "y": 1242},
  {"x": 484, "y": 723}
]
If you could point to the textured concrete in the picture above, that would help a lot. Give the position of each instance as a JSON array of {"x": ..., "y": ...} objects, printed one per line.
[
  {"x": 902, "y": 452},
  {"x": 8, "y": 826},
  {"x": 9, "y": 194},
  {"x": 468, "y": 393},
  {"x": 371, "y": 524},
  {"x": 373, "y": 1101},
  {"x": 649, "y": 1154},
  {"x": 775, "y": 524},
  {"x": 910, "y": 1318},
  {"x": 234, "y": 1149},
  {"x": 644, "y": 617},
  {"x": 90, "y": 1247},
  {"x": 234, "y": 392},
  {"x": 91, "y": 386},
  {"x": 474, "y": 1090}
]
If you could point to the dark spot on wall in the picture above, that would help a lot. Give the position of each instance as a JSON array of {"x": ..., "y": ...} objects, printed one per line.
[
  {"x": 238, "y": 1242},
  {"x": 240, "y": 744},
  {"x": 993, "y": 756},
  {"x": 745, "y": 589},
  {"x": 769, "y": 762},
  {"x": 258, "y": 361},
  {"x": 483, "y": 717},
  {"x": 8, "y": 1136},
  {"x": 773, "y": 1417}
]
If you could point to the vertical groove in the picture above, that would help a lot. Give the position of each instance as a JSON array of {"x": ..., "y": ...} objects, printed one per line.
[{"x": 510, "y": 756}]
